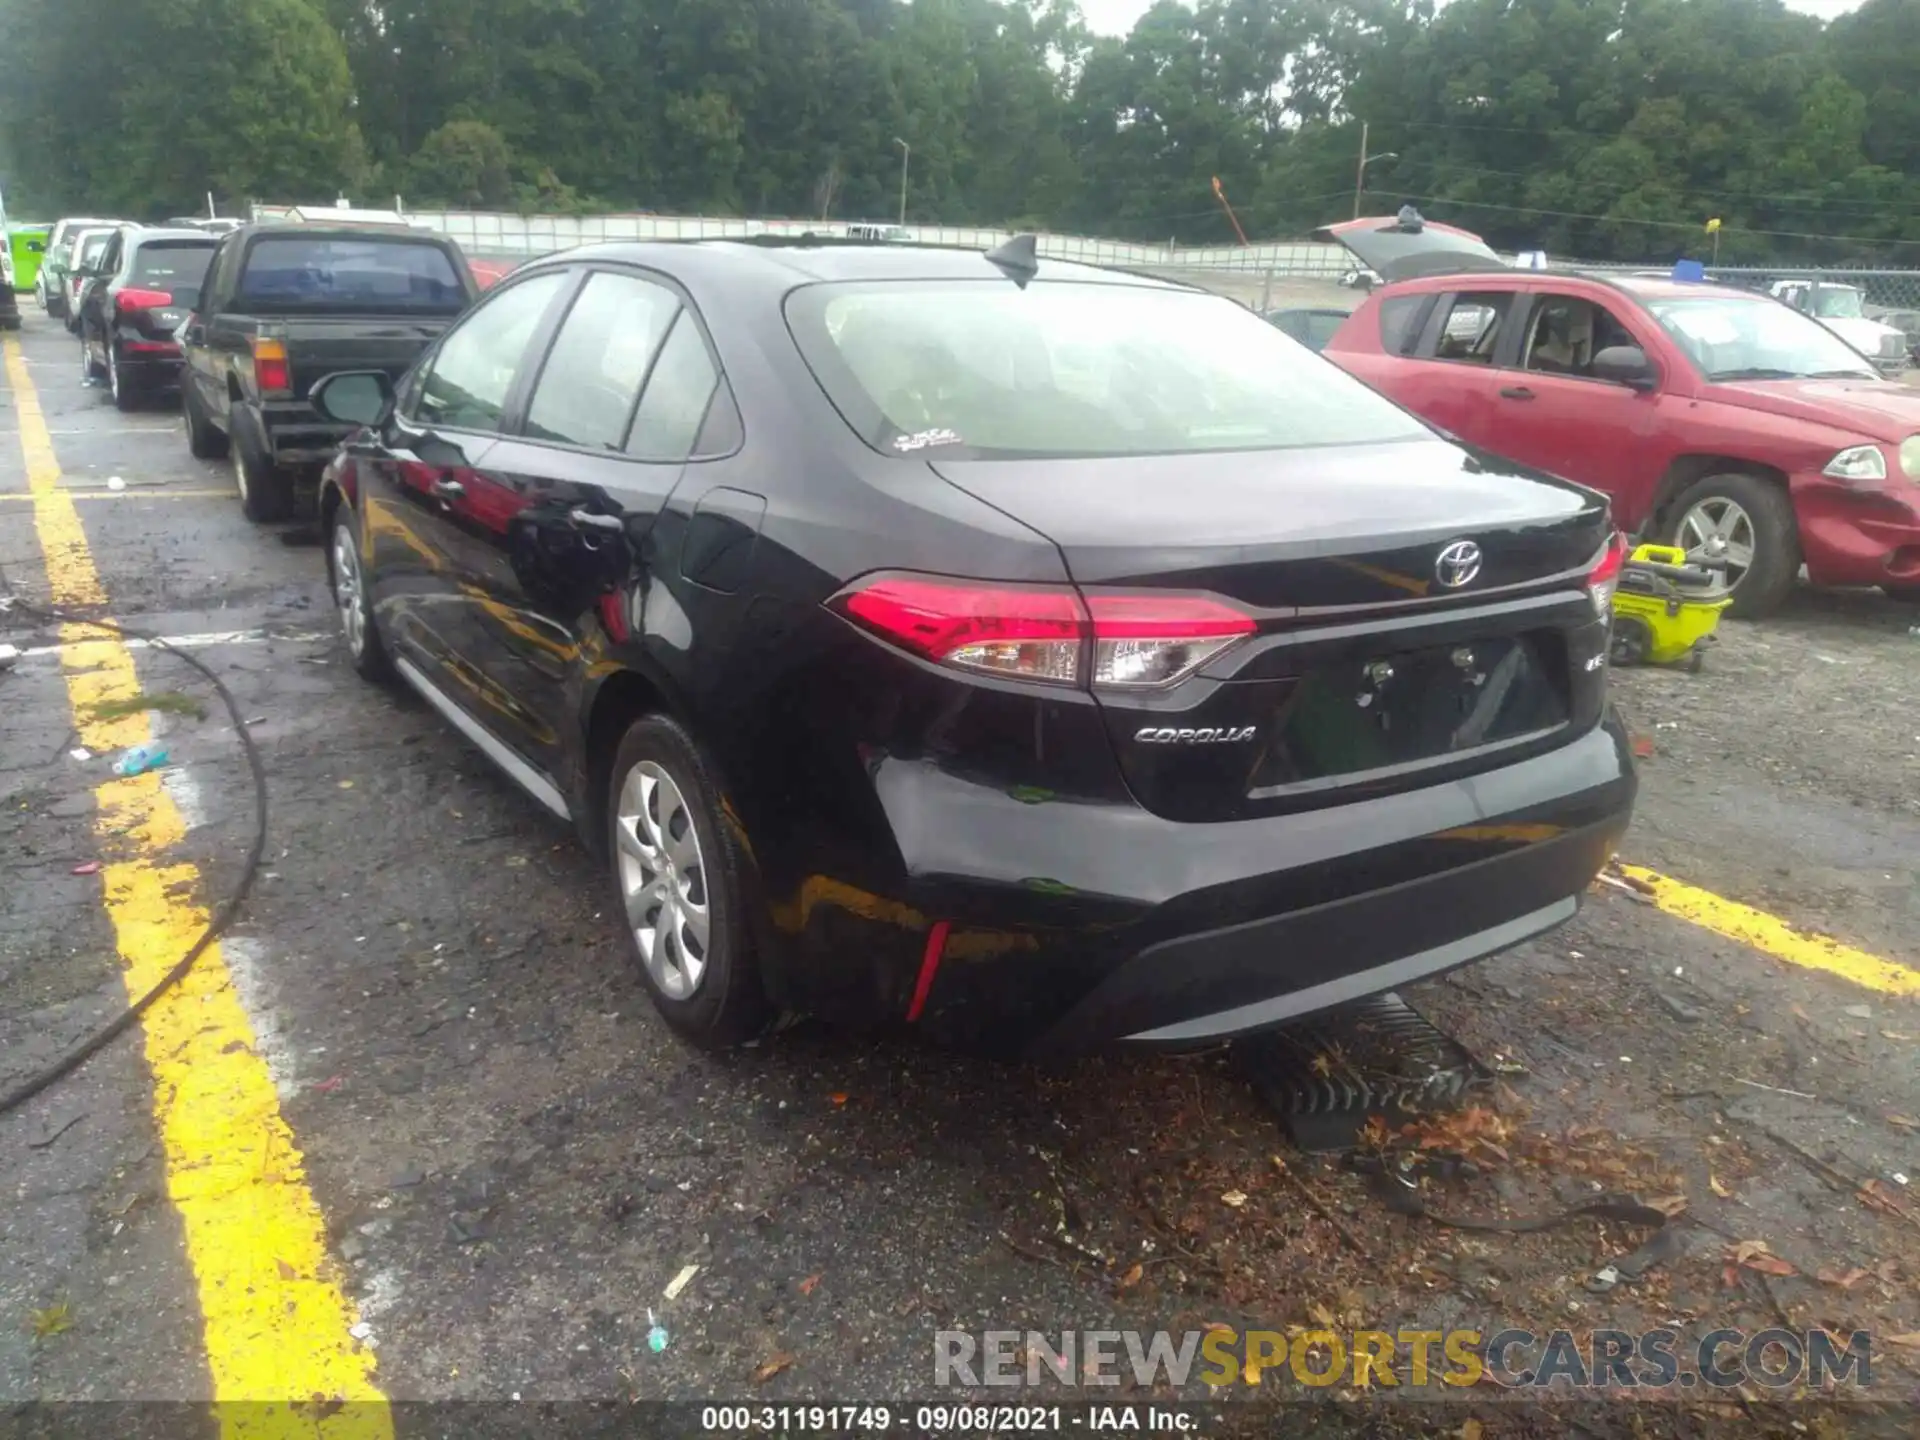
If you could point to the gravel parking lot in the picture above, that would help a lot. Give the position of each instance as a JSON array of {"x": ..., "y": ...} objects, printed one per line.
[{"x": 514, "y": 1160}]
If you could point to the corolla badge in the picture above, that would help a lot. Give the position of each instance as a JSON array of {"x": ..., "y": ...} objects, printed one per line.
[
  {"x": 1205, "y": 735},
  {"x": 1457, "y": 564}
]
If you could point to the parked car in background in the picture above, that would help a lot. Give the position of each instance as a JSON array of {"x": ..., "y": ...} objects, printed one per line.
[
  {"x": 1907, "y": 322},
  {"x": 287, "y": 303},
  {"x": 83, "y": 263},
  {"x": 1039, "y": 655},
  {"x": 1842, "y": 309},
  {"x": 50, "y": 286},
  {"x": 1311, "y": 326},
  {"x": 1719, "y": 420},
  {"x": 149, "y": 282}
]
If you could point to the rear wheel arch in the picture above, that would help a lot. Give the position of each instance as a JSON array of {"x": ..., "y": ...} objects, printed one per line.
[{"x": 619, "y": 700}]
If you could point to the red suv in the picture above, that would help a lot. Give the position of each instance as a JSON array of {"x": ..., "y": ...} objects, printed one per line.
[{"x": 1716, "y": 419}]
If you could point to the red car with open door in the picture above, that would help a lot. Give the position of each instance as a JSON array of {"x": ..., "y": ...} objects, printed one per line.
[{"x": 1717, "y": 419}]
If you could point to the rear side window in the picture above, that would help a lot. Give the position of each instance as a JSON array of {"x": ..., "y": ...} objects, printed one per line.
[
  {"x": 312, "y": 273},
  {"x": 179, "y": 269},
  {"x": 1400, "y": 322},
  {"x": 1470, "y": 329},
  {"x": 677, "y": 395},
  {"x": 593, "y": 373},
  {"x": 472, "y": 373},
  {"x": 959, "y": 369}
]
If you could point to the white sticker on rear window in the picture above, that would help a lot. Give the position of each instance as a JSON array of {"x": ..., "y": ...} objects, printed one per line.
[{"x": 920, "y": 440}]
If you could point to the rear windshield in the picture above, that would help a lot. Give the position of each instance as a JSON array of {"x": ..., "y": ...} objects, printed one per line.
[
  {"x": 985, "y": 368},
  {"x": 180, "y": 268},
  {"x": 298, "y": 272}
]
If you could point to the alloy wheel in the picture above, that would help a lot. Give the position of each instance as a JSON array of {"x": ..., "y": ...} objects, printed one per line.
[
  {"x": 1717, "y": 528},
  {"x": 347, "y": 591},
  {"x": 113, "y": 377},
  {"x": 240, "y": 471},
  {"x": 663, "y": 878}
]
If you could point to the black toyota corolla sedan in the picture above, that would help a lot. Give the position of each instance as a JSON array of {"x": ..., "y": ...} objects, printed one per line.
[{"x": 1036, "y": 655}]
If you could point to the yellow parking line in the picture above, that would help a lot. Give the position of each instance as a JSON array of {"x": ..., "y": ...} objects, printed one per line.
[
  {"x": 1774, "y": 936},
  {"x": 276, "y": 1319}
]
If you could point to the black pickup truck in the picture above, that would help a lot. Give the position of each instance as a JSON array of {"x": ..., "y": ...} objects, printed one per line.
[{"x": 285, "y": 304}]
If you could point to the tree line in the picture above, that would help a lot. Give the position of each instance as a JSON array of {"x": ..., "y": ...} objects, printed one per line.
[{"x": 1599, "y": 129}]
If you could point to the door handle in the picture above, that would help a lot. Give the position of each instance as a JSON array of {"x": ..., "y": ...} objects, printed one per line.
[
  {"x": 1516, "y": 392},
  {"x": 588, "y": 520},
  {"x": 449, "y": 490}
]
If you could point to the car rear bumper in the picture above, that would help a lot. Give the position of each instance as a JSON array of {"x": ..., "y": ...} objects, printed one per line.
[
  {"x": 1859, "y": 532},
  {"x": 1054, "y": 929}
]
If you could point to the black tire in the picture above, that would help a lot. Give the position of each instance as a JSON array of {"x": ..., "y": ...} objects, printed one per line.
[
  {"x": 1905, "y": 594},
  {"x": 366, "y": 648},
  {"x": 266, "y": 490},
  {"x": 1776, "y": 537},
  {"x": 205, "y": 440},
  {"x": 727, "y": 1004},
  {"x": 125, "y": 390},
  {"x": 89, "y": 372}
]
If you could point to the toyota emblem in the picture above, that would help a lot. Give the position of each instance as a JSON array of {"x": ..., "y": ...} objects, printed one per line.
[{"x": 1457, "y": 564}]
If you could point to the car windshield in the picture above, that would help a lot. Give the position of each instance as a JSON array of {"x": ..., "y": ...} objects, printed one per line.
[
  {"x": 1730, "y": 338},
  {"x": 1837, "y": 302},
  {"x": 300, "y": 272},
  {"x": 989, "y": 369},
  {"x": 179, "y": 268}
]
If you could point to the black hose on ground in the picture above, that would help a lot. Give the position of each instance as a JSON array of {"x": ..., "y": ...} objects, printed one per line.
[{"x": 222, "y": 917}]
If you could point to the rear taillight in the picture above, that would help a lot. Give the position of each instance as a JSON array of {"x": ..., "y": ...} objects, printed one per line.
[
  {"x": 136, "y": 299},
  {"x": 1604, "y": 578},
  {"x": 270, "y": 370},
  {"x": 1111, "y": 640}
]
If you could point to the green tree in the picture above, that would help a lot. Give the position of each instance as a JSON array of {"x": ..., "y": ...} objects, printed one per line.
[{"x": 464, "y": 164}]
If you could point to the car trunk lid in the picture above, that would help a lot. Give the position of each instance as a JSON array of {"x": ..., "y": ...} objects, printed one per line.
[
  {"x": 1407, "y": 246},
  {"x": 1383, "y": 654}
]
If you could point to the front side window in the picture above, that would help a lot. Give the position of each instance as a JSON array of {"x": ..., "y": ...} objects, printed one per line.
[
  {"x": 467, "y": 384},
  {"x": 1565, "y": 332},
  {"x": 588, "y": 386},
  {"x": 952, "y": 368},
  {"x": 1729, "y": 337},
  {"x": 1472, "y": 328}
]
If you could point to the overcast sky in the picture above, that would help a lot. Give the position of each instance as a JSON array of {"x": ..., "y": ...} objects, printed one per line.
[{"x": 1116, "y": 17}]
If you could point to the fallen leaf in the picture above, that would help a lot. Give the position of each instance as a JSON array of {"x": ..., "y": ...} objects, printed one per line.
[
  {"x": 346, "y": 784},
  {"x": 1770, "y": 1265},
  {"x": 1841, "y": 1279},
  {"x": 1746, "y": 1250},
  {"x": 329, "y": 1085},
  {"x": 1876, "y": 1194},
  {"x": 1908, "y": 1341},
  {"x": 287, "y": 1272},
  {"x": 1895, "y": 1035},
  {"x": 1322, "y": 1316},
  {"x": 781, "y": 1360},
  {"x": 1322, "y": 1066},
  {"x": 1470, "y": 1430},
  {"x": 1713, "y": 1184},
  {"x": 1235, "y": 1198},
  {"x": 1800, "y": 1013},
  {"x": 1669, "y": 1205},
  {"x": 808, "y": 1285},
  {"x": 1132, "y": 1276},
  {"x": 839, "y": 1097},
  {"x": 1905, "y": 1122},
  {"x": 1643, "y": 746},
  {"x": 1218, "y": 1327},
  {"x": 54, "y": 1320},
  {"x": 88, "y": 867}
]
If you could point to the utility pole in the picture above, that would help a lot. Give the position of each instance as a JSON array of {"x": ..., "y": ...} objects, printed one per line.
[
  {"x": 906, "y": 154},
  {"x": 1360, "y": 171}
]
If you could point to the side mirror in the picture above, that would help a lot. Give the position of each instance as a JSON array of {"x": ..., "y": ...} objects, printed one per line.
[
  {"x": 34, "y": 247},
  {"x": 352, "y": 397},
  {"x": 1625, "y": 365}
]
